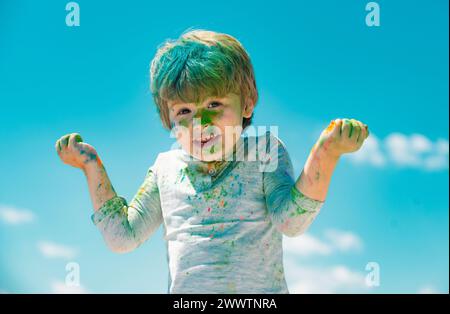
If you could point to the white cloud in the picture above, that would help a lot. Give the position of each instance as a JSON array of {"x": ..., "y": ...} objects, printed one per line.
[
  {"x": 303, "y": 278},
  {"x": 442, "y": 146},
  {"x": 428, "y": 290},
  {"x": 406, "y": 150},
  {"x": 335, "y": 240},
  {"x": 53, "y": 250},
  {"x": 369, "y": 153},
  {"x": 333, "y": 279},
  {"x": 60, "y": 287},
  {"x": 306, "y": 245},
  {"x": 14, "y": 216},
  {"x": 344, "y": 240},
  {"x": 398, "y": 149}
]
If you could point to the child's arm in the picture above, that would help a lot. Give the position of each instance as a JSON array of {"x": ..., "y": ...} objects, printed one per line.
[
  {"x": 293, "y": 205},
  {"x": 340, "y": 137},
  {"x": 123, "y": 227}
]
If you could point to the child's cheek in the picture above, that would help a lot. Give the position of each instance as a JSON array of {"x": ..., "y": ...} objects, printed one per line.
[
  {"x": 183, "y": 123},
  {"x": 232, "y": 129},
  {"x": 228, "y": 117},
  {"x": 181, "y": 131}
]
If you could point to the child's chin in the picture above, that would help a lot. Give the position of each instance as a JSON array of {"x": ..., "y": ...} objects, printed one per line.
[{"x": 207, "y": 156}]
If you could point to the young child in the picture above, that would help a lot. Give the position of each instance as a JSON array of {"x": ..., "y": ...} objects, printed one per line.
[{"x": 224, "y": 200}]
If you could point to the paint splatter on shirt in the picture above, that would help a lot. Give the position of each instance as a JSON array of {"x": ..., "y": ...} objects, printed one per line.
[{"x": 223, "y": 226}]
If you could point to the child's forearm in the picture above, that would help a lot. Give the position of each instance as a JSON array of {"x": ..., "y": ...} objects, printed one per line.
[
  {"x": 100, "y": 187},
  {"x": 316, "y": 175},
  {"x": 123, "y": 226}
]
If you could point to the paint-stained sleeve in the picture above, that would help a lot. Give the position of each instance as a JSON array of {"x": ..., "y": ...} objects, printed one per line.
[
  {"x": 290, "y": 210},
  {"x": 126, "y": 226}
]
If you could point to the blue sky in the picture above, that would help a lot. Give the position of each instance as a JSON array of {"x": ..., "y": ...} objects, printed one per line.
[{"x": 314, "y": 61}]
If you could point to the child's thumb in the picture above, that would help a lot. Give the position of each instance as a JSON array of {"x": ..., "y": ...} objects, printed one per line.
[
  {"x": 78, "y": 138},
  {"x": 74, "y": 138}
]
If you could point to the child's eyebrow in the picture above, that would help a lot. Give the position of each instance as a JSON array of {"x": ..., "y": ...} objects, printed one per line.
[
  {"x": 210, "y": 99},
  {"x": 174, "y": 104},
  {"x": 171, "y": 105}
]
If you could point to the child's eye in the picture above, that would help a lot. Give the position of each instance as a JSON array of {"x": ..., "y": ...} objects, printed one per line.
[
  {"x": 183, "y": 111},
  {"x": 214, "y": 104}
]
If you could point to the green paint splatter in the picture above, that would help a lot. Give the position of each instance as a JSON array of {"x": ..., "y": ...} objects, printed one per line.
[{"x": 207, "y": 116}]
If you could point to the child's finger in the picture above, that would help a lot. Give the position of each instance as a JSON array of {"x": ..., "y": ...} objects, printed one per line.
[
  {"x": 346, "y": 128},
  {"x": 363, "y": 135},
  {"x": 78, "y": 138},
  {"x": 362, "y": 132},
  {"x": 336, "y": 131},
  {"x": 73, "y": 139},
  {"x": 58, "y": 146},
  {"x": 356, "y": 129},
  {"x": 330, "y": 127},
  {"x": 64, "y": 140}
]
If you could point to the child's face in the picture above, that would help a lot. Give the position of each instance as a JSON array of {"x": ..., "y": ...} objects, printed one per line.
[{"x": 209, "y": 130}]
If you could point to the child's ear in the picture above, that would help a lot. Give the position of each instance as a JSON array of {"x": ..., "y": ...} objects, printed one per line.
[{"x": 248, "y": 108}]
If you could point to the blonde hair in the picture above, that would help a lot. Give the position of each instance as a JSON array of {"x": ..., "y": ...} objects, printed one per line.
[{"x": 198, "y": 65}]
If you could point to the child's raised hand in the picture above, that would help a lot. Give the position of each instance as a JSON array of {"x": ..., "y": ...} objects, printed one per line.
[
  {"x": 343, "y": 136},
  {"x": 74, "y": 152}
]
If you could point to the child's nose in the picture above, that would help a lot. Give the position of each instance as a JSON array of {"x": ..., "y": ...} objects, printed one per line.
[{"x": 203, "y": 117}]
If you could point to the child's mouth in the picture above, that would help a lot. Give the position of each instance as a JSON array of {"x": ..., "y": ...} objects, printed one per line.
[{"x": 207, "y": 142}]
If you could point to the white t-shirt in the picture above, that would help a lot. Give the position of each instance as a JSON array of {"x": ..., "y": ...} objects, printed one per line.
[{"x": 223, "y": 228}]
